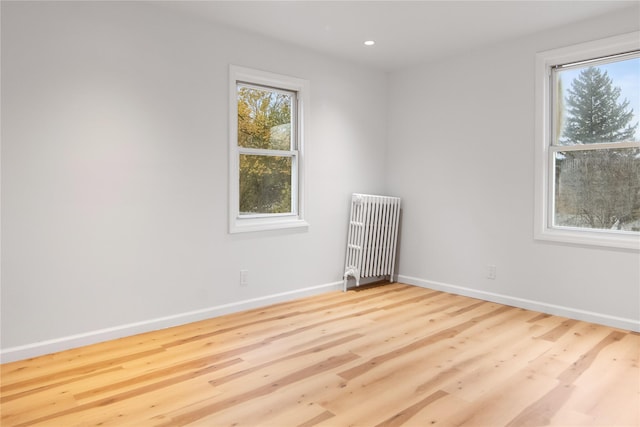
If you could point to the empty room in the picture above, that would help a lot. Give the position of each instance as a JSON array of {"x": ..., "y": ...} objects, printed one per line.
[{"x": 320, "y": 213}]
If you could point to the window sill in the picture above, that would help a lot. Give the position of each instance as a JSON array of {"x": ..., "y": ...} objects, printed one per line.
[
  {"x": 265, "y": 224},
  {"x": 604, "y": 238}
]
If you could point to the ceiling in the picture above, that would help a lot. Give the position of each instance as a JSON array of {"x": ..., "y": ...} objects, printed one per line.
[{"x": 405, "y": 32}]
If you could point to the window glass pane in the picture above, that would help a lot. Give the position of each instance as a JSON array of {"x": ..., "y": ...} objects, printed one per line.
[
  {"x": 597, "y": 103},
  {"x": 265, "y": 184},
  {"x": 264, "y": 118},
  {"x": 598, "y": 189}
]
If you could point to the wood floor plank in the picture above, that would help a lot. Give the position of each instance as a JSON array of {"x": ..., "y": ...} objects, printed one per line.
[
  {"x": 542, "y": 410},
  {"x": 557, "y": 332},
  {"x": 191, "y": 416},
  {"x": 422, "y": 342},
  {"x": 287, "y": 406},
  {"x": 390, "y": 390},
  {"x": 390, "y": 355},
  {"x": 406, "y": 414},
  {"x": 600, "y": 392}
]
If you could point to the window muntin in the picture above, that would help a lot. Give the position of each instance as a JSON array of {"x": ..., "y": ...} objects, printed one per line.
[
  {"x": 266, "y": 179},
  {"x": 593, "y": 169}
]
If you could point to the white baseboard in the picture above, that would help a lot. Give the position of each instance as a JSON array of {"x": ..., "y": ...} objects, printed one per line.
[
  {"x": 65, "y": 343},
  {"x": 558, "y": 310}
]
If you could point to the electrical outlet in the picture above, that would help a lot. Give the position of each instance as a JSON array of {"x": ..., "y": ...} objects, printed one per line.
[
  {"x": 491, "y": 272},
  {"x": 244, "y": 277}
]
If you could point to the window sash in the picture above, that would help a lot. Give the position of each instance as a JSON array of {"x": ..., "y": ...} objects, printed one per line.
[
  {"x": 553, "y": 85},
  {"x": 293, "y": 154},
  {"x": 293, "y": 142},
  {"x": 552, "y": 190}
]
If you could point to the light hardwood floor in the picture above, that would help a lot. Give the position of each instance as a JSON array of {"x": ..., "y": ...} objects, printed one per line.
[{"x": 392, "y": 355}]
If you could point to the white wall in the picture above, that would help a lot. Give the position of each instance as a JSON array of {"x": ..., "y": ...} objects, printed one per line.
[
  {"x": 461, "y": 154},
  {"x": 114, "y": 172}
]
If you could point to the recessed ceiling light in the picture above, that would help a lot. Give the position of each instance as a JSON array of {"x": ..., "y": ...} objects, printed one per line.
[{"x": 369, "y": 43}]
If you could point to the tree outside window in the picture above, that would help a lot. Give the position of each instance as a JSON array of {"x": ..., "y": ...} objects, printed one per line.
[{"x": 595, "y": 145}]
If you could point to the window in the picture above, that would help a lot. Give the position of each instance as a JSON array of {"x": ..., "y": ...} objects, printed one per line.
[
  {"x": 266, "y": 184},
  {"x": 588, "y": 143}
]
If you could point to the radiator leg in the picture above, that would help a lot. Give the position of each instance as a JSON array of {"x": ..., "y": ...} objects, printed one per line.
[{"x": 353, "y": 272}]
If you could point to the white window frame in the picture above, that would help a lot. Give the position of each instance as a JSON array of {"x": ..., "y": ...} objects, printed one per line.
[
  {"x": 248, "y": 223},
  {"x": 544, "y": 152}
]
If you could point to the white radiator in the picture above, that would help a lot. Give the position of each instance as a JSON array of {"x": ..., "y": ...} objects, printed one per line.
[{"x": 373, "y": 234}]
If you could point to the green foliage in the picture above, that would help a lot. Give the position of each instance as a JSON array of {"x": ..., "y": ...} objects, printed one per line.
[
  {"x": 264, "y": 122},
  {"x": 265, "y": 184},
  {"x": 594, "y": 113},
  {"x": 262, "y": 114}
]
